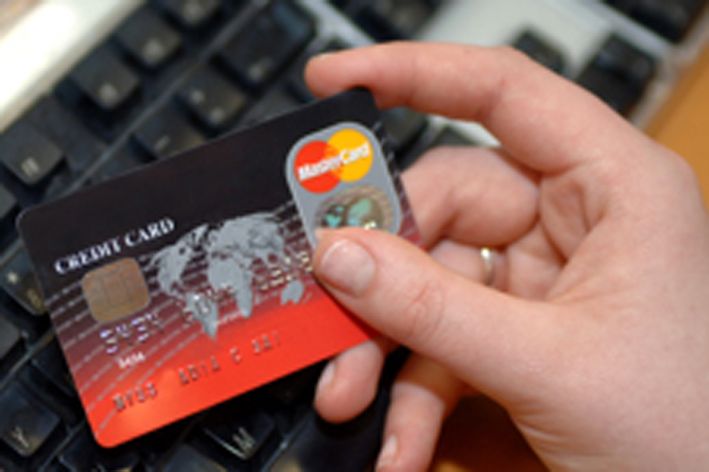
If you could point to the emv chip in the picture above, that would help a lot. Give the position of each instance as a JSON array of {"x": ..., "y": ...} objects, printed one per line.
[{"x": 115, "y": 290}]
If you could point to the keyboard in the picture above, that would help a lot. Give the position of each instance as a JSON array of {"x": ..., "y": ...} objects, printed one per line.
[{"x": 168, "y": 75}]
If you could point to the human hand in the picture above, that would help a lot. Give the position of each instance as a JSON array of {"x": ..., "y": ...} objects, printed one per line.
[{"x": 599, "y": 347}]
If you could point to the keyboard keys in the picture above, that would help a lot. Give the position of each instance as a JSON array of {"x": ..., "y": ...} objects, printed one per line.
[
  {"x": 58, "y": 184},
  {"x": 212, "y": 99},
  {"x": 6, "y": 465},
  {"x": 539, "y": 49},
  {"x": 668, "y": 18},
  {"x": 121, "y": 162},
  {"x": 625, "y": 61},
  {"x": 24, "y": 426},
  {"x": 388, "y": 20},
  {"x": 83, "y": 454},
  {"x": 166, "y": 133},
  {"x": 8, "y": 209},
  {"x": 267, "y": 43},
  {"x": 322, "y": 446},
  {"x": 111, "y": 94},
  {"x": 19, "y": 282},
  {"x": 9, "y": 336},
  {"x": 618, "y": 74},
  {"x": 61, "y": 125},
  {"x": 191, "y": 14},
  {"x": 50, "y": 363},
  {"x": 105, "y": 80},
  {"x": 243, "y": 437},
  {"x": 28, "y": 154},
  {"x": 148, "y": 39},
  {"x": 275, "y": 103},
  {"x": 188, "y": 459},
  {"x": 403, "y": 126}
]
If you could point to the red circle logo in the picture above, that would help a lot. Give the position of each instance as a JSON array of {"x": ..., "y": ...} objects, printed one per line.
[
  {"x": 345, "y": 157},
  {"x": 311, "y": 166}
]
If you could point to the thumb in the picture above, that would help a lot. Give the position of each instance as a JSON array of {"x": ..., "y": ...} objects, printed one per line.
[{"x": 494, "y": 341}]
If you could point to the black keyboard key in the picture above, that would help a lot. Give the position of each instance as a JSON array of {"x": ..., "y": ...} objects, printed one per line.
[
  {"x": 403, "y": 126},
  {"x": 609, "y": 89},
  {"x": 191, "y": 14},
  {"x": 619, "y": 74},
  {"x": 148, "y": 39},
  {"x": 188, "y": 459},
  {"x": 8, "y": 208},
  {"x": 28, "y": 154},
  {"x": 243, "y": 437},
  {"x": 669, "y": 18},
  {"x": 121, "y": 162},
  {"x": 277, "y": 102},
  {"x": 51, "y": 364},
  {"x": 388, "y": 20},
  {"x": 19, "y": 282},
  {"x": 24, "y": 425},
  {"x": 267, "y": 43},
  {"x": 540, "y": 50},
  {"x": 58, "y": 184},
  {"x": 80, "y": 147},
  {"x": 83, "y": 454},
  {"x": 6, "y": 465},
  {"x": 166, "y": 133},
  {"x": 322, "y": 446},
  {"x": 212, "y": 99},
  {"x": 619, "y": 57},
  {"x": 9, "y": 336},
  {"x": 105, "y": 80}
]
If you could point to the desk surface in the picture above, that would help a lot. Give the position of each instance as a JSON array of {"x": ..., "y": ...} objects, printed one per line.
[
  {"x": 683, "y": 124},
  {"x": 479, "y": 436}
]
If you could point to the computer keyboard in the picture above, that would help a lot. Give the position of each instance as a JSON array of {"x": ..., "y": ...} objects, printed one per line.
[
  {"x": 171, "y": 75},
  {"x": 672, "y": 20}
]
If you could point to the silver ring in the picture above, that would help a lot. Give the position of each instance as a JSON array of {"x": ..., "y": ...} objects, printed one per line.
[{"x": 488, "y": 257}]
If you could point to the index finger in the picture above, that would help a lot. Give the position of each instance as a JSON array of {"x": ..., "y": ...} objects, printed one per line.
[{"x": 544, "y": 121}]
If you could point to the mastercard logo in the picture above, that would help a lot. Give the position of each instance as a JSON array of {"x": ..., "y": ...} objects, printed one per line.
[{"x": 346, "y": 157}]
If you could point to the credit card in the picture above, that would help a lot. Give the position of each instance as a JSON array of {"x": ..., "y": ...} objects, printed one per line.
[{"x": 187, "y": 282}]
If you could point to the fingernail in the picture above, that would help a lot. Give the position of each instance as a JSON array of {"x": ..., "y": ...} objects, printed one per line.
[
  {"x": 347, "y": 266},
  {"x": 388, "y": 454},
  {"x": 326, "y": 377}
]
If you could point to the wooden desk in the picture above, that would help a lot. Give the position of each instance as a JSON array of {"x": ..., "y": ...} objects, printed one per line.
[
  {"x": 683, "y": 123},
  {"x": 479, "y": 435}
]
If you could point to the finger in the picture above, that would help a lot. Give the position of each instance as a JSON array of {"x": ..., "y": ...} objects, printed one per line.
[
  {"x": 405, "y": 294},
  {"x": 468, "y": 262},
  {"x": 532, "y": 265},
  {"x": 424, "y": 392},
  {"x": 525, "y": 106},
  {"x": 349, "y": 382},
  {"x": 422, "y": 396},
  {"x": 487, "y": 200}
]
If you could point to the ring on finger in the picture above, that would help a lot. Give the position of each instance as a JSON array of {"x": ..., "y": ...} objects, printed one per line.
[{"x": 488, "y": 258}]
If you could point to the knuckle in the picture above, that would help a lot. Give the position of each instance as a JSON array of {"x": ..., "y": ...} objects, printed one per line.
[{"x": 422, "y": 310}]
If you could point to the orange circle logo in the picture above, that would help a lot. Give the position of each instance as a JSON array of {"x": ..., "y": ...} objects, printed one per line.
[{"x": 346, "y": 157}]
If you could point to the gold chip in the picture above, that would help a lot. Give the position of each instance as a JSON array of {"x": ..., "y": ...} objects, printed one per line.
[{"x": 115, "y": 290}]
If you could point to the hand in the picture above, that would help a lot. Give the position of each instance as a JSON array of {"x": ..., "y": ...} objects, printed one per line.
[{"x": 599, "y": 346}]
